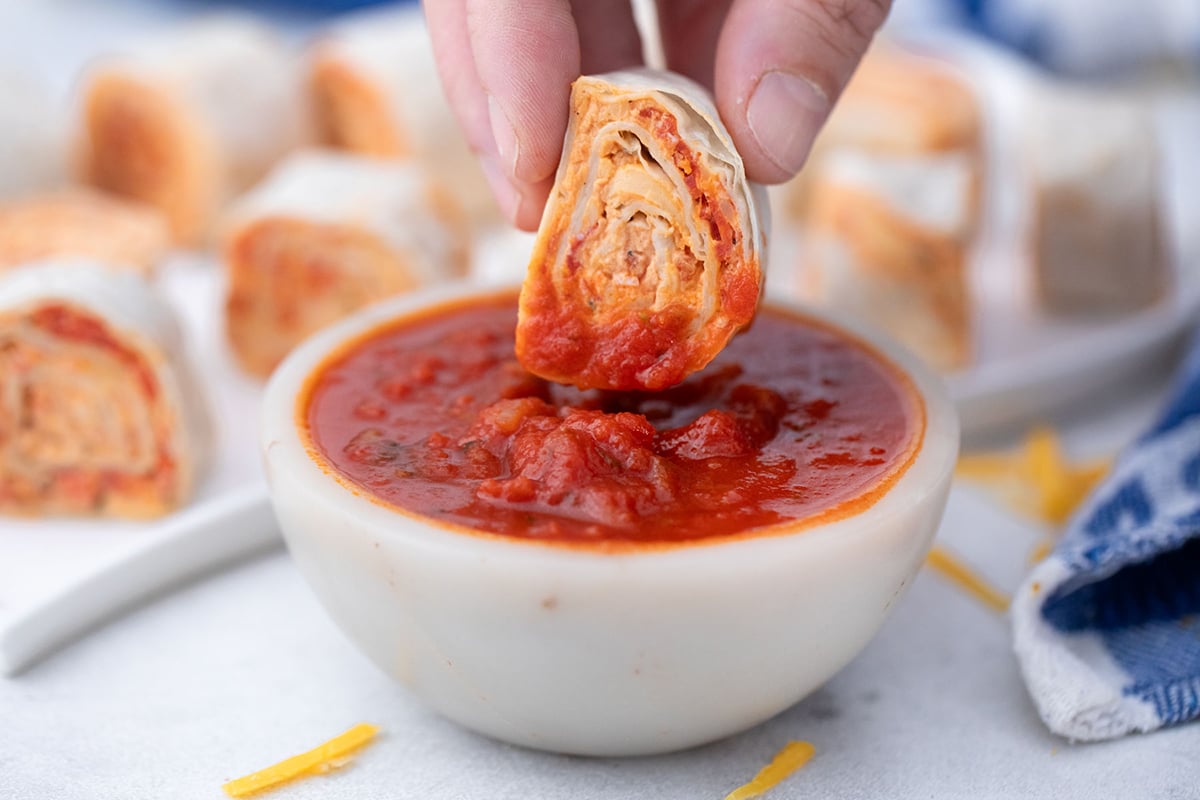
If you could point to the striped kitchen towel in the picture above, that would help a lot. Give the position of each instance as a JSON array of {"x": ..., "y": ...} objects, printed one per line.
[{"x": 1107, "y": 629}]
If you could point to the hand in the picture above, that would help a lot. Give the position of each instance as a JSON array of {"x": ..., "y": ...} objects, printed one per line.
[{"x": 776, "y": 67}]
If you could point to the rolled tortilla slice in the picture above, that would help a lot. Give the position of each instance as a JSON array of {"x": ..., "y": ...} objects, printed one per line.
[
  {"x": 375, "y": 87},
  {"x": 904, "y": 104},
  {"x": 324, "y": 235},
  {"x": 888, "y": 243},
  {"x": 187, "y": 121},
  {"x": 80, "y": 222},
  {"x": 649, "y": 254},
  {"x": 1099, "y": 239},
  {"x": 376, "y": 92},
  {"x": 99, "y": 410},
  {"x": 901, "y": 101}
]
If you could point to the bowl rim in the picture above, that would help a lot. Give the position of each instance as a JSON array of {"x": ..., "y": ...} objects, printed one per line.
[{"x": 289, "y": 457}]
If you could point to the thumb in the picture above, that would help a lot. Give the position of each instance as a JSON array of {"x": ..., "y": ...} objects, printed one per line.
[
  {"x": 526, "y": 53},
  {"x": 781, "y": 65}
]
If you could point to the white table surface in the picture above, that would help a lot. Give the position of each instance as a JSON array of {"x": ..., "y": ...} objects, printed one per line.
[{"x": 236, "y": 671}]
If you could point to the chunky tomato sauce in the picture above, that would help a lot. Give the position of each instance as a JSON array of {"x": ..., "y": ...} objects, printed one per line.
[{"x": 434, "y": 415}]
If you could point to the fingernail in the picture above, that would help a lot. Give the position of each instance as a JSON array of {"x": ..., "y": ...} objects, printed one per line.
[
  {"x": 505, "y": 136},
  {"x": 784, "y": 115},
  {"x": 506, "y": 195}
]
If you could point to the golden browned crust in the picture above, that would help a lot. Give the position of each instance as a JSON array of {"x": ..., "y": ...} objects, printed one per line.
[
  {"x": 141, "y": 144},
  {"x": 351, "y": 113}
]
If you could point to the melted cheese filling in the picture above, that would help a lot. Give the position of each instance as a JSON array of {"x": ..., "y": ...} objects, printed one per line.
[{"x": 640, "y": 246}]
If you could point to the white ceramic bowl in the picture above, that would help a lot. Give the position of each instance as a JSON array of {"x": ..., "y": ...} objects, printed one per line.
[{"x": 586, "y": 652}]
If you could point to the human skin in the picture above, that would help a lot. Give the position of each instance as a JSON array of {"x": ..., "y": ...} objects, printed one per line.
[{"x": 775, "y": 67}]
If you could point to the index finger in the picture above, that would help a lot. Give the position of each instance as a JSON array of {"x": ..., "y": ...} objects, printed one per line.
[{"x": 526, "y": 54}]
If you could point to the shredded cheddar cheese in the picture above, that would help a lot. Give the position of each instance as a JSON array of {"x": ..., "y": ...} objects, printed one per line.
[
  {"x": 1063, "y": 485},
  {"x": 1040, "y": 551},
  {"x": 792, "y": 757},
  {"x": 959, "y": 573},
  {"x": 1037, "y": 479},
  {"x": 321, "y": 759}
]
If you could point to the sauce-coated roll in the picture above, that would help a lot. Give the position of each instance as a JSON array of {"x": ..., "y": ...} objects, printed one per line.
[
  {"x": 650, "y": 252},
  {"x": 100, "y": 413},
  {"x": 189, "y": 120},
  {"x": 83, "y": 223},
  {"x": 324, "y": 235}
]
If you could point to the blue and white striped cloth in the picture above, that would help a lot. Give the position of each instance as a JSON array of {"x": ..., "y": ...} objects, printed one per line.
[{"x": 1107, "y": 630}]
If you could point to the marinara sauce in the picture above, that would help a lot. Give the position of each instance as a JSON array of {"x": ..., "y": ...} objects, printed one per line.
[{"x": 434, "y": 415}]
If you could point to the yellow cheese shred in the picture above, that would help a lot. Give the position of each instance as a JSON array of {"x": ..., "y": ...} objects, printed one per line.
[
  {"x": 792, "y": 757},
  {"x": 1037, "y": 479},
  {"x": 959, "y": 573},
  {"x": 330, "y": 755},
  {"x": 1041, "y": 550},
  {"x": 1063, "y": 485}
]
